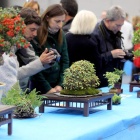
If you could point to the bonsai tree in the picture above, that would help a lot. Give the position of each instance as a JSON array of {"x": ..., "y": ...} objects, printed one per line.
[
  {"x": 119, "y": 72},
  {"x": 112, "y": 79},
  {"x": 116, "y": 99},
  {"x": 26, "y": 103},
  {"x": 80, "y": 79}
]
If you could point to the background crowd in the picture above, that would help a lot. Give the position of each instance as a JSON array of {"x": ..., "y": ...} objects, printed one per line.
[{"x": 75, "y": 35}]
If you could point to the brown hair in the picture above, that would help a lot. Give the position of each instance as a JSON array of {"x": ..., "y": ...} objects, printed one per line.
[
  {"x": 31, "y": 4},
  {"x": 135, "y": 21},
  {"x": 51, "y": 11},
  {"x": 30, "y": 16}
]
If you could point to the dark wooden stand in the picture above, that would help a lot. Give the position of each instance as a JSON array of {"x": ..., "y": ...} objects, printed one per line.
[
  {"x": 133, "y": 84},
  {"x": 138, "y": 94},
  {"x": 7, "y": 110},
  {"x": 53, "y": 100}
]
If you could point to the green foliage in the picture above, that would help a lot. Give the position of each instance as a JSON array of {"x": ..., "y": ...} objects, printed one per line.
[
  {"x": 136, "y": 53},
  {"x": 112, "y": 78},
  {"x": 136, "y": 37},
  {"x": 80, "y": 75},
  {"x": 116, "y": 98},
  {"x": 26, "y": 103},
  {"x": 136, "y": 40},
  {"x": 88, "y": 91},
  {"x": 119, "y": 72}
]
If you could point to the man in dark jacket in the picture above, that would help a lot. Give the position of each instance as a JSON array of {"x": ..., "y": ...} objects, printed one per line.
[
  {"x": 107, "y": 37},
  {"x": 71, "y": 8}
]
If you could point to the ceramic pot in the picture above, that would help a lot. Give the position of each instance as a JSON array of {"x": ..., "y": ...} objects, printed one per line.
[
  {"x": 116, "y": 103},
  {"x": 136, "y": 77},
  {"x": 1, "y": 90},
  {"x": 117, "y": 85}
]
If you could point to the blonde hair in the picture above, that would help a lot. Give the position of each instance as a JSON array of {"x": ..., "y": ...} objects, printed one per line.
[
  {"x": 31, "y": 4},
  {"x": 135, "y": 21},
  {"x": 83, "y": 23}
]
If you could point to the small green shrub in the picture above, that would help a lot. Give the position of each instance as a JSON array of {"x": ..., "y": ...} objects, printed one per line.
[
  {"x": 26, "y": 103},
  {"x": 119, "y": 72},
  {"x": 116, "y": 98},
  {"x": 112, "y": 78}
]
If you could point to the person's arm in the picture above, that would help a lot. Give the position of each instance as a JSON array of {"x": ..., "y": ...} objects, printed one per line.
[
  {"x": 108, "y": 55},
  {"x": 35, "y": 66},
  {"x": 30, "y": 69}
]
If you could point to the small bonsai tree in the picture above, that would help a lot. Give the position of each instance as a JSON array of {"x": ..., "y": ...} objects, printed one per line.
[
  {"x": 119, "y": 72},
  {"x": 26, "y": 103},
  {"x": 116, "y": 99},
  {"x": 112, "y": 79},
  {"x": 80, "y": 79}
]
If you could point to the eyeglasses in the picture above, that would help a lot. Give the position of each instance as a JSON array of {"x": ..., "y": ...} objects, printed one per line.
[{"x": 30, "y": 0}]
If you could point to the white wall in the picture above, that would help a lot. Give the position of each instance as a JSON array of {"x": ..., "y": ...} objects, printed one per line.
[{"x": 132, "y": 7}]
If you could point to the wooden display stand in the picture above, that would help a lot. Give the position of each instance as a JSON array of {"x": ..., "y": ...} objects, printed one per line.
[
  {"x": 53, "y": 100},
  {"x": 138, "y": 94},
  {"x": 133, "y": 84},
  {"x": 7, "y": 110}
]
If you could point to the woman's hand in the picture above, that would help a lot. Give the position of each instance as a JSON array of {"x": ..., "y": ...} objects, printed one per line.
[
  {"x": 52, "y": 91},
  {"x": 58, "y": 88}
]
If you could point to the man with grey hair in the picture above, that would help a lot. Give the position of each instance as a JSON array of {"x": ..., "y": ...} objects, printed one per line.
[{"x": 107, "y": 38}]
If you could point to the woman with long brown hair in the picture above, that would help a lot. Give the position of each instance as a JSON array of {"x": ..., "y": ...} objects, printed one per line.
[{"x": 50, "y": 35}]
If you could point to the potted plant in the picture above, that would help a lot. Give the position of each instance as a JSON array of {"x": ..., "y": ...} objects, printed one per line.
[
  {"x": 80, "y": 79},
  {"x": 120, "y": 73},
  {"x": 112, "y": 79},
  {"x": 12, "y": 28},
  {"x": 116, "y": 99},
  {"x": 136, "y": 52},
  {"x": 25, "y": 103}
]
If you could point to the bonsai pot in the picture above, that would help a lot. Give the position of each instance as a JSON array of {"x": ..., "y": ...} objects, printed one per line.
[
  {"x": 115, "y": 90},
  {"x": 116, "y": 103},
  {"x": 117, "y": 85},
  {"x": 136, "y": 77}
]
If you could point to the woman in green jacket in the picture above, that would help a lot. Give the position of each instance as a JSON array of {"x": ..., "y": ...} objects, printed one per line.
[{"x": 50, "y": 35}]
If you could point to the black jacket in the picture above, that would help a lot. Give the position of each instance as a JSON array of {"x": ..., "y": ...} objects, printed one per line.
[
  {"x": 81, "y": 47},
  {"x": 67, "y": 26},
  {"x": 105, "y": 45}
]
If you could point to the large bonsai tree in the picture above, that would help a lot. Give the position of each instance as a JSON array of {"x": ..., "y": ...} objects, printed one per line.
[{"x": 80, "y": 78}]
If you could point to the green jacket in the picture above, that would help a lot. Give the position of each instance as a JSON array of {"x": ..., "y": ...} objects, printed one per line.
[{"x": 53, "y": 75}]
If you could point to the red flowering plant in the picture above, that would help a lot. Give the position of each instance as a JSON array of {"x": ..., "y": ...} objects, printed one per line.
[{"x": 12, "y": 30}]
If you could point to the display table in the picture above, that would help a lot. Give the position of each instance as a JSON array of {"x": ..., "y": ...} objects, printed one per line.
[
  {"x": 85, "y": 104},
  {"x": 7, "y": 110},
  {"x": 133, "y": 84}
]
